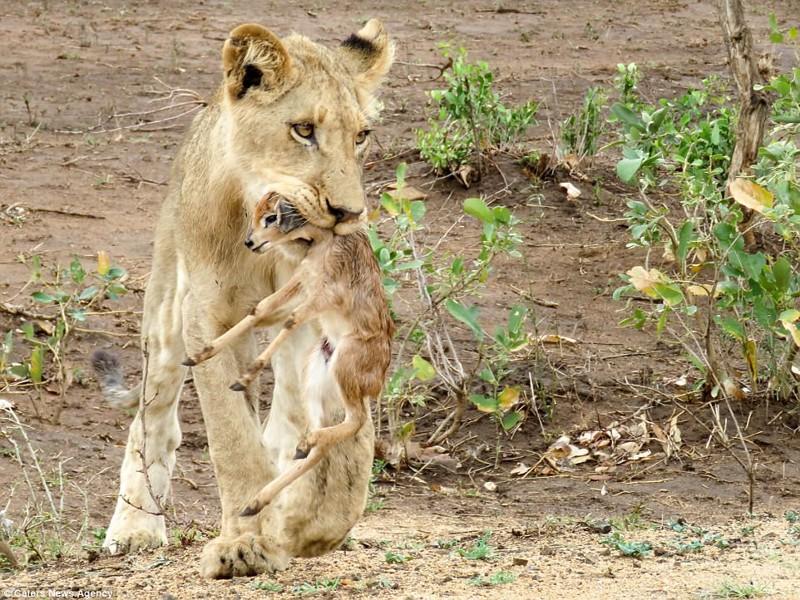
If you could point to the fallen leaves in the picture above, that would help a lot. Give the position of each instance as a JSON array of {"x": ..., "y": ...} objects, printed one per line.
[{"x": 607, "y": 448}]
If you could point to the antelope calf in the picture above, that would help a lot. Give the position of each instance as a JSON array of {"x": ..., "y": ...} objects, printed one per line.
[{"x": 338, "y": 283}]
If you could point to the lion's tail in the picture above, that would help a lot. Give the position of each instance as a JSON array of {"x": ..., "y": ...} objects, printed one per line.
[{"x": 109, "y": 373}]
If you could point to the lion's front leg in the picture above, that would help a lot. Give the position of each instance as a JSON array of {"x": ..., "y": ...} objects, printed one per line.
[
  {"x": 155, "y": 432},
  {"x": 241, "y": 463}
]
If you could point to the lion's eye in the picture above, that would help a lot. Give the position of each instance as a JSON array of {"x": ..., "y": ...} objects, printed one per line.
[
  {"x": 303, "y": 130},
  {"x": 269, "y": 220},
  {"x": 362, "y": 136}
]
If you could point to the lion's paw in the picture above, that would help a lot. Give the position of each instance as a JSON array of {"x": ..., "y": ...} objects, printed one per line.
[
  {"x": 247, "y": 554},
  {"x": 133, "y": 541}
]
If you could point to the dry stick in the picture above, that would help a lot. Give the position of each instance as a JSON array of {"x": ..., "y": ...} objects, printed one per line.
[
  {"x": 68, "y": 213},
  {"x": 142, "y": 452},
  {"x": 148, "y": 123},
  {"x": 19, "y": 311},
  {"x": 440, "y": 68},
  {"x": 535, "y": 406},
  {"x": 754, "y": 104}
]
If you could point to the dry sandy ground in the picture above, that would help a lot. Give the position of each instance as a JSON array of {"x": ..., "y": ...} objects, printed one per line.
[{"x": 65, "y": 67}]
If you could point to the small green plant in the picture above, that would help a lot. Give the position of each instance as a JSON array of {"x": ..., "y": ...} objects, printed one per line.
[
  {"x": 480, "y": 550},
  {"x": 581, "y": 131},
  {"x": 778, "y": 36},
  {"x": 731, "y": 589},
  {"x": 630, "y": 521},
  {"x": 625, "y": 547},
  {"x": 722, "y": 299},
  {"x": 395, "y": 558},
  {"x": 268, "y": 586},
  {"x": 792, "y": 516},
  {"x": 689, "y": 547},
  {"x": 319, "y": 586},
  {"x": 470, "y": 118},
  {"x": 71, "y": 295},
  {"x": 446, "y": 285},
  {"x": 498, "y": 578},
  {"x": 626, "y": 83}
]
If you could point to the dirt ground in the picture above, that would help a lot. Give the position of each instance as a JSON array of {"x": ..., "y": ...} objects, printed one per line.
[{"x": 66, "y": 66}]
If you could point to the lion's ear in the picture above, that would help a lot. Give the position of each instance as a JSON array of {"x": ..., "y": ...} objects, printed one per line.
[
  {"x": 370, "y": 53},
  {"x": 253, "y": 57}
]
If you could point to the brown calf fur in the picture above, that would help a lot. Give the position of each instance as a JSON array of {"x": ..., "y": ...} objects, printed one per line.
[{"x": 338, "y": 283}]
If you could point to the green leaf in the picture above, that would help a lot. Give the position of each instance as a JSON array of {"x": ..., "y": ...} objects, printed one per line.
[
  {"x": 516, "y": 317},
  {"x": 37, "y": 364},
  {"x": 87, "y": 294},
  {"x": 115, "y": 273},
  {"x": 685, "y": 237},
  {"x": 487, "y": 404},
  {"x": 400, "y": 174},
  {"x": 115, "y": 290},
  {"x": 510, "y": 420},
  {"x": 36, "y": 268},
  {"x": 661, "y": 323},
  {"x": 733, "y": 328},
  {"x": 43, "y": 298},
  {"x": 627, "y": 116},
  {"x": 27, "y": 330},
  {"x": 669, "y": 293},
  {"x": 423, "y": 370},
  {"x": 477, "y": 208},
  {"x": 19, "y": 371},
  {"x": 751, "y": 264},
  {"x": 78, "y": 314},
  {"x": 628, "y": 167},
  {"x": 486, "y": 374},
  {"x": 501, "y": 215},
  {"x": 468, "y": 316},
  {"x": 782, "y": 271},
  {"x": 76, "y": 271},
  {"x": 389, "y": 205},
  {"x": 417, "y": 210}
]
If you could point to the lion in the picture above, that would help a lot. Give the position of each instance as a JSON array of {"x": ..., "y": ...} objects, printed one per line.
[{"x": 291, "y": 117}]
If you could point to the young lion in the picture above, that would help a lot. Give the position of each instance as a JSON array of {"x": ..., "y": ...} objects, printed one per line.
[{"x": 339, "y": 283}]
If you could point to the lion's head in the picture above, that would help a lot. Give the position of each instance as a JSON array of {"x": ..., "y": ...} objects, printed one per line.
[{"x": 296, "y": 114}]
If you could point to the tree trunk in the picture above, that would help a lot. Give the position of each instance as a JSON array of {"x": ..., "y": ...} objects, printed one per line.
[{"x": 754, "y": 105}]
